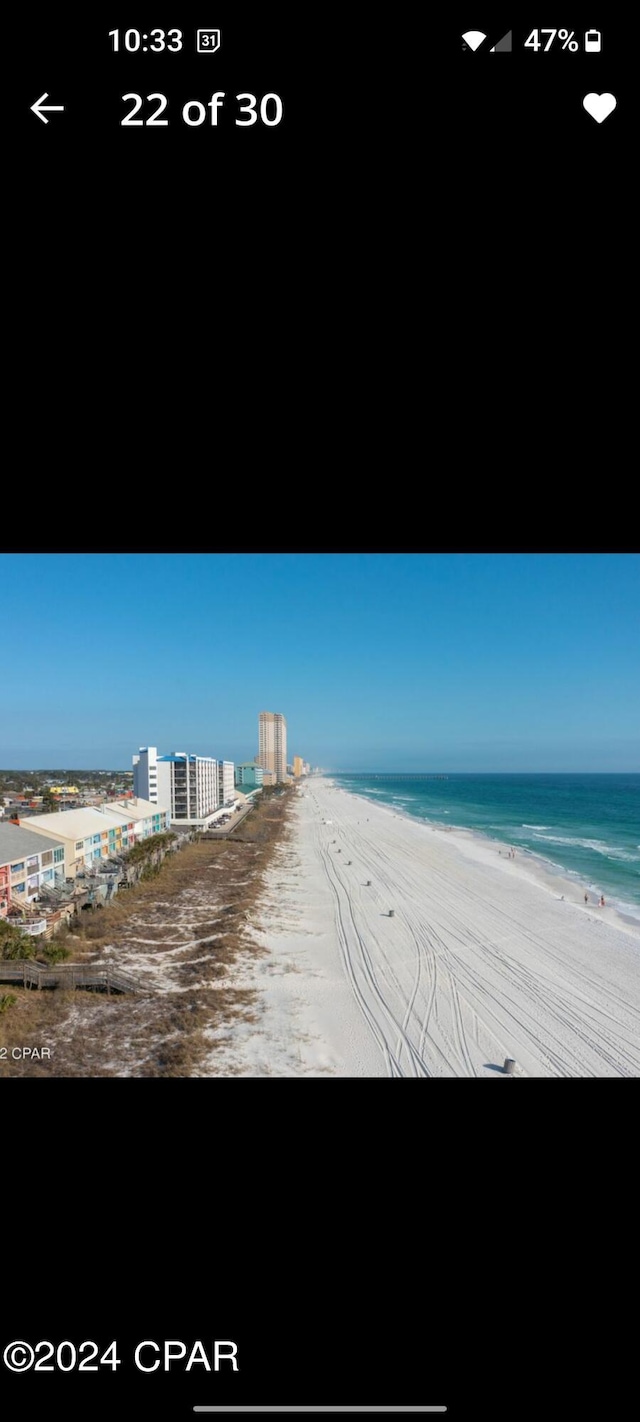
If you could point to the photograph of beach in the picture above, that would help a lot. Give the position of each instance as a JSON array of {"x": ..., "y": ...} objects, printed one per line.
[
  {"x": 403, "y": 945},
  {"x": 405, "y": 792}
]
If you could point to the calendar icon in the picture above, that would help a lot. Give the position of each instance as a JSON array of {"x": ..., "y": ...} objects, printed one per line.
[{"x": 208, "y": 41}]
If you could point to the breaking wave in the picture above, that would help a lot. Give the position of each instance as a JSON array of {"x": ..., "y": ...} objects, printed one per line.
[{"x": 611, "y": 851}]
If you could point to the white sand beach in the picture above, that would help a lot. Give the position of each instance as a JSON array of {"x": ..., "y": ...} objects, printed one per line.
[{"x": 482, "y": 959}]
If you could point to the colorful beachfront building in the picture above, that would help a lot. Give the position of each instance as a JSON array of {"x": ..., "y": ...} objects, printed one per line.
[
  {"x": 87, "y": 836},
  {"x": 92, "y": 834},
  {"x": 5, "y": 888},
  {"x": 29, "y": 861},
  {"x": 249, "y": 775},
  {"x": 147, "y": 818}
]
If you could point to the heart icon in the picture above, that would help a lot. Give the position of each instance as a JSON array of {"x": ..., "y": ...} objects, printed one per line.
[{"x": 599, "y": 106}]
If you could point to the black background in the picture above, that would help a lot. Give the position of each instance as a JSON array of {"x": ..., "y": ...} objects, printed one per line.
[
  {"x": 360, "y": 1247},
  {"x": 424, "y": 268},
  {"x": 411, "y": 297}
]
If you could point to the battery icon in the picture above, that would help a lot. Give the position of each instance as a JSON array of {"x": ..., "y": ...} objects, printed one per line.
[{"x": 593, "y": 42}]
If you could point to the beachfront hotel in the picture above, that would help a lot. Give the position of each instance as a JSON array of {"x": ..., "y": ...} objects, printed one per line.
[
  {"x": 188, "y": 784},
  {"x": 272, "y": 743},
  {"x": 145, "y": 773},
  {"x": 226, "y": 781},
  {"x": 249, "y": 775}
]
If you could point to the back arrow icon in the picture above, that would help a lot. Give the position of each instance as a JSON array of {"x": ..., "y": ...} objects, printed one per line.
[{"x": 38, "y": 107}]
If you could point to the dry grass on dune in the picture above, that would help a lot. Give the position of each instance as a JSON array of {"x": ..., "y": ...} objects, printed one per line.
[{"x": 180, "y": 934}]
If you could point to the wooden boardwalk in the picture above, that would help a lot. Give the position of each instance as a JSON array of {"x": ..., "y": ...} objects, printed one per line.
[{"x": 30, "y": 974}]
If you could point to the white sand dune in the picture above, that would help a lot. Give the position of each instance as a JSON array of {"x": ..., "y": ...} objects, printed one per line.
[{"x": 482, "y": 959}]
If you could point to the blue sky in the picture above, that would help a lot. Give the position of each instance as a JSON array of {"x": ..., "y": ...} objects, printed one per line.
[{"x": 479, "y": 662}]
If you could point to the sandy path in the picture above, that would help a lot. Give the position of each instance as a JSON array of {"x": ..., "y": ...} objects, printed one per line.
[{"x": 482, "y": 959}]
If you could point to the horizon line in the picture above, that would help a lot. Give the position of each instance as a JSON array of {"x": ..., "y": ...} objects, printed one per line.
[
  {"x": 440, "y": 773},
  {"x": 320, "y": 770}
]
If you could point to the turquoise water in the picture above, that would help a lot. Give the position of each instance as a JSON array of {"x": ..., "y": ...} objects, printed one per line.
[{"x": 588, "y": 826}]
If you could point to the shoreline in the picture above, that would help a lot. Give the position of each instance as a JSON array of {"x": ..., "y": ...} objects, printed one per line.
[
  {"x": 546, "y": 871},
  {"x": 392, "y": 948}
]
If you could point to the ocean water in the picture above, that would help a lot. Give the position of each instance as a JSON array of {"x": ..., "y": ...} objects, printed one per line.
[{"x": 587, "y": 826}]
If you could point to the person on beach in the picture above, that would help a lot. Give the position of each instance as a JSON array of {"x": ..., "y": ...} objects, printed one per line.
[
  {"x": 586, "y": 898},
  {"x": 602, "y": 901}
]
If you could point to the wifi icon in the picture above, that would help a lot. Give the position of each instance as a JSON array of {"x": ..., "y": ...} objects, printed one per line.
[{"x": 474, "y": 38}]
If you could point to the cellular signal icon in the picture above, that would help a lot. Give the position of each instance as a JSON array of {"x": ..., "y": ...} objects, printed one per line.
[
  {"x": 474, "y": 38},
  {"x": 505, "y": 45}
]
